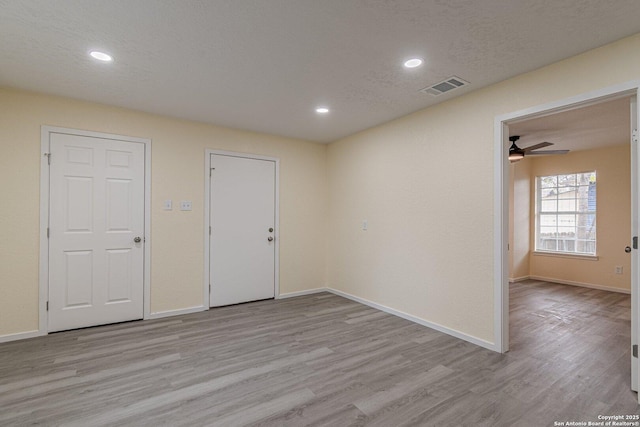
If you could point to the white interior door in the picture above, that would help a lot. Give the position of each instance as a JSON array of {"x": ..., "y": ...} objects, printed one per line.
[
  {"x": 635, "y": 257},
  {"x": 242, "y": 238},
  {"x": 96, "y": 215}
]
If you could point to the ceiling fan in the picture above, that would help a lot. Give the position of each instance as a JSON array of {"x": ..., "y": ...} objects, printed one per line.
[{"x": 516, "y": 153}]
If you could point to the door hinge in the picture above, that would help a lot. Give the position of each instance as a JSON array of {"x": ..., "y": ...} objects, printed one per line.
[
  {"x": 635, "y": 242},
  {"x": 211, "y": 169},
  {"x": 209, "y": 287},
  {"x": 48, "y": 158},
  {"x": 47, "y": 305},
  {"x": 47, "y": 232},
  {"x": 635, "y": 350},
  {"x": 209, "y": 230},
  {"x": 634, "y": 135}
]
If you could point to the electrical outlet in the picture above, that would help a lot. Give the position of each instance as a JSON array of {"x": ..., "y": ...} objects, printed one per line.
[
  {"x": 618, "y": 269},
  {"x": 185, "y": 205}
]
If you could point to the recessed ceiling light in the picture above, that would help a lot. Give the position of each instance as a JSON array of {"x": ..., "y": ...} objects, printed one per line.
[
  {"x": 413, "y": 62},
  {"x": 322, "y": 110},
  {"x": 101, "y": 56}
]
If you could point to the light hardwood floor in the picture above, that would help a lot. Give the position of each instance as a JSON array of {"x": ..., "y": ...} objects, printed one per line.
[{"x": 323, "y": 360}]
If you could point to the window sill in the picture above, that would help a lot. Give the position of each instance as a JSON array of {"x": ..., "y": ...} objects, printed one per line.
[{"x": 566, "y": 255}]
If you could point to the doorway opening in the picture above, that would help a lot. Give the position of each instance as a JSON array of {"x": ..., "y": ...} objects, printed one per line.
[
  {"x": 569, "y": 202},
  {"x": 555, "y": 241},
  {"x": 503, "y": 125}
]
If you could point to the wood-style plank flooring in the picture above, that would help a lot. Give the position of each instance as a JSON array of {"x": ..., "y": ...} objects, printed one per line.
[{"x": 323, "y": 360}]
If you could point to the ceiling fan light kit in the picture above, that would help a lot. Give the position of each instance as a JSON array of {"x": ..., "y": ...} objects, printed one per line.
[{"x": 515, "y": 153}]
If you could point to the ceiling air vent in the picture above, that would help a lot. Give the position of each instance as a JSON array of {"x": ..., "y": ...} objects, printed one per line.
[{"x": 445, "y": 86}]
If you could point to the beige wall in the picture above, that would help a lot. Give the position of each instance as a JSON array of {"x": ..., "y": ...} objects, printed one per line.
[
  {"x": 429, "y": 248},
  {"x": 425, "y": 184},
  {"x": 613, "y": 168},
  {"x": 178, "y": 150},
  {"x": 519, "y": 218}
]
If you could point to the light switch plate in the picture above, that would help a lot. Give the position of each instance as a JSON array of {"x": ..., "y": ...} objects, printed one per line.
[
  {"x": 168, "y": 205},
  {"x": 185, "y": 205}
]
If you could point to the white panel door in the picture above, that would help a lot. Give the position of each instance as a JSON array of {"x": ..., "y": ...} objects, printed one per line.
[
  {"x": 242, "y": 245},
  {"x": 96, "y": 214}
]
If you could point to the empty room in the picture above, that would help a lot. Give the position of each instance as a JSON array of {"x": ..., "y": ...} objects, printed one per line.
[{"x": 290, "y": 213}]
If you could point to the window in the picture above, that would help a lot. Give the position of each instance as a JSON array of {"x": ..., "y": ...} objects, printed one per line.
[{"x": 566, "y": 213}]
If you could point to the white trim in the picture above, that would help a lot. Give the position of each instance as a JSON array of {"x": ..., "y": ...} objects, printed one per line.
[
  {"x": 501, "y": 233},
  {"x": 580, "y": 284},
  {"x": 177, "y": 312},
  {"x": 21, "y": 336},
  {"x": 207, "y": 216},
  {"x": 302, "y": 293},
  {"x": 518, "y": 279},
  {"x": 43, "y": 285},
  {"x": 45, "y": 132},
  {"x": 147, "y": 229},
  {"x": 411, "y": 318},
  {"x": 569, "y": 255},
  {"x": 414, "y": 319},
  {"x": 206, "y": 288},
  {"x": 501, "y": 195},
  {"x": 633, "y": 121},
  {"x": 384, "y": 308}
]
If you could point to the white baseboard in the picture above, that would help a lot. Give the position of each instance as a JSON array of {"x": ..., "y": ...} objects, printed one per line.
[
  {"x": 157, "y": 315},
  {"x": 411, "y": 318},
  {"x": 301, "y": 293},
  {"x": 169, "y": 313},
  {"x": 437, "y": 327},
  {"x": 584, "y": 285},
  {"x": 518, "y": 279},
  {"x": 21, "y": 336}
]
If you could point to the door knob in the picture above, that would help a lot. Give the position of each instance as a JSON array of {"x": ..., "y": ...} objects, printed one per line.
[
  {"x": 137, "y": 239},
  {"x": 627, "y": 249},
  {"x": 270, "y": 239}
]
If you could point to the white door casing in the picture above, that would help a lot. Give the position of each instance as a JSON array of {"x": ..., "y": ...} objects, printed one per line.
[
  {"x": 635, "y": 255},
  {"x": 243, "y": 237},
  {"x": 97, "y": 205}
]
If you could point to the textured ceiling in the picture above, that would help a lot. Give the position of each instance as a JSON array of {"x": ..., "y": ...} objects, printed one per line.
[
  {"x": 264, "y": 65},
  {"x": 596, "y": 126}
]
